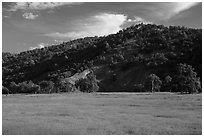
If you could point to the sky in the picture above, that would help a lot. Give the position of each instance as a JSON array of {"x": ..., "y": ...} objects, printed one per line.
[{"x": 30, "y": 25}]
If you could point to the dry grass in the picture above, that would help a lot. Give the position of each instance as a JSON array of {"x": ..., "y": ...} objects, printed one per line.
[{"x": 158, "y": 113}]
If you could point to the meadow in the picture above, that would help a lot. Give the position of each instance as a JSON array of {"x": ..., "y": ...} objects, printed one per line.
[{"x": 101, "y": 113}]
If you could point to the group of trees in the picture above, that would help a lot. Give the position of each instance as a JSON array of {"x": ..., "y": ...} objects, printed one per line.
[
  {"x": 88, "y": 85},
  {"x": 186, "y": 81},
  {"x": 24, "y": 87}
]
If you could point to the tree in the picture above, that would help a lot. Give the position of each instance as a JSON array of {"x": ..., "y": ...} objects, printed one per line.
[
  {"x": 14, "y": 87},
  {"x": 65, "y": 86},
  {"x": 5, "y": 90},
  {"x": 154, "y": 82},
  {"x": 187, "y": 79},
  {"x": 28, "y": 87},
  {"x": 157, "y": 59},
  {"x": 139, "y": 88},
  {"x": 167, "y": 83},
  {"x": 168, "y": 79},
  {"x": 88, "y": 84}
]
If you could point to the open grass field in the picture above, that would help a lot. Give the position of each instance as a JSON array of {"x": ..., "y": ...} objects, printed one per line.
[{"x": 157, "y": 113}]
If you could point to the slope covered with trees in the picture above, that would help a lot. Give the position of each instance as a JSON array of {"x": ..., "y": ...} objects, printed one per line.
[{"x": 134, "y": 59}]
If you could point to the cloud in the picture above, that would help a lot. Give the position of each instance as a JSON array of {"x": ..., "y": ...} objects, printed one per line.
[
  {"x": 138, "y": 20},
  {"x": 6, "y": 16},
  {"x": 179, "y": 7},
  {"x": 29, "y": 8},
  {"x": 167, "y": 10},
  {"x": 97, "y": 25},
  {"x": 29, "y": 16},
  {"x": 69, "y": 35},
  {"x": 40, "y": 45},
  {"x": 58, "y": 41},
  {"x": 159, "y": 11},
  {"x": 37, "y": 5}
]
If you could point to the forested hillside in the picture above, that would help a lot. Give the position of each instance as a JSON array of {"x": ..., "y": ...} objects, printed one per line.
[{"x": 141, "y": 58}]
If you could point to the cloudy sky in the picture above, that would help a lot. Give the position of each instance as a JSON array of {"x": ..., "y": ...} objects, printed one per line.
[{"x": 28, "y": 25}]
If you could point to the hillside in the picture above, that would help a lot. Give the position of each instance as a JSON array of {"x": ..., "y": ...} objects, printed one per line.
[{"x": 121, "y": 61}]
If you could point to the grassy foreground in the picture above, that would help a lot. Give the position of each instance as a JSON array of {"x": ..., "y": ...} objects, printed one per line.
[{"x": 158, "y": 113}]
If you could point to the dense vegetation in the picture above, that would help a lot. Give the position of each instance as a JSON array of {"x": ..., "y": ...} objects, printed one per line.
[{"x": 144, "y": 57}]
